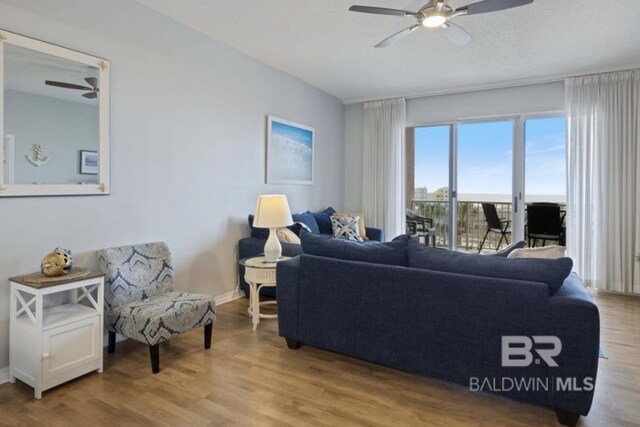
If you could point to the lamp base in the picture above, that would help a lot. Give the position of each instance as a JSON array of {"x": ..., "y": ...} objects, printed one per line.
[{"x": 272, "y": 249}]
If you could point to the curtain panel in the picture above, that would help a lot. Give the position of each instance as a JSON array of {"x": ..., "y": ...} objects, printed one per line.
[
  {"x": 384, "y": 165},
  {"x": 603, "y": 224}
]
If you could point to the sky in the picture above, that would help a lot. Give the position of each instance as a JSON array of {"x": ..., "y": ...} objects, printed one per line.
[
  {"x": 485, "y": 157},
  {"x": 293, "y": 133}
]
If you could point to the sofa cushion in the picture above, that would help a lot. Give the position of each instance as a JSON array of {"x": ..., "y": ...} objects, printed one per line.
[
  {"x": 391, "y": 253},
  {"x": 307, "y": 219},
  {"x": 551, "y": 272},
  {"x": 156, "y": 319},
  {"x": 324, "y": 220}
]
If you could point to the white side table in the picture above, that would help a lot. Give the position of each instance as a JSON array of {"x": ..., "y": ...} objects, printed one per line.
[
  {"x": 259, "y": 273},
  {"x": 52, "y": 345}
]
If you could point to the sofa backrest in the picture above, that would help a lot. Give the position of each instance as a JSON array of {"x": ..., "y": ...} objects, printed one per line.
[
  {"x": 551, "y": 272},
  {"x": 392, "y": 253}
]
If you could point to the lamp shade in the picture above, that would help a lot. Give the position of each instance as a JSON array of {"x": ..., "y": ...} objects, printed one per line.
[{"x": 272, "y": 211}]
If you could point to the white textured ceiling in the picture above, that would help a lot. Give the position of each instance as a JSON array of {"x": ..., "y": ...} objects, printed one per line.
[{"x": 324, "y": 44}]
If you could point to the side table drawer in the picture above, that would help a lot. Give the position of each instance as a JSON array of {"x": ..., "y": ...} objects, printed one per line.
[{"x": 70, "y": 346}]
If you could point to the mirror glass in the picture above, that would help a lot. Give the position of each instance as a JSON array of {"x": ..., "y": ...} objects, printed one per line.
[{"x": 51, "y": 119}]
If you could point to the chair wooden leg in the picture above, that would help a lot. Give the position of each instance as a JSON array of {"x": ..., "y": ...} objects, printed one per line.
[
  {"x": 485, "y": 238},
  {"x": 112, "y": 342},
  {"x": 154, "y": 351},
  {"x": 208, "y": 331}
]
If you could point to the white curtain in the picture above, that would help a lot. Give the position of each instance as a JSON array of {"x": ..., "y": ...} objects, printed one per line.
[
  {"x": 603, "y": 221},
  {"x": 384, "y": 165}
]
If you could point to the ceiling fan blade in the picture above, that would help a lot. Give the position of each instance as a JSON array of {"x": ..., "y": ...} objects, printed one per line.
[
  {"x": 90, "y": 95},
  {"x": 391, "y": 39},
  {"x": 456, "y": 33},
  {"x": 66, "y": 85},
  {"x": 381, "y": 11},
  {"x": 487, "y": 6},
  {"x": 93, "y": 82}
]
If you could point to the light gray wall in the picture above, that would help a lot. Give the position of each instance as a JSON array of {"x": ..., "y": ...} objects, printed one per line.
[
  {"x": 63, "y": 128},
  {"x": 486, "y": 103},
  {"x": 188, "y": 119},
  {"x": 446, "y": 108}
]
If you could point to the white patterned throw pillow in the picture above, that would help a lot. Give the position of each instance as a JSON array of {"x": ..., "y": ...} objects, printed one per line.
[
  {"x": 346, "y": 227},
  {"x": 548, "y": 252}
]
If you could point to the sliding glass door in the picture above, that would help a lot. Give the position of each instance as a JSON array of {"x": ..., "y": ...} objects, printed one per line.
[
  {"x": 431, "y": 163},
  {"x": 485, "y": 181},
  {"x": 482, "y": 175}
]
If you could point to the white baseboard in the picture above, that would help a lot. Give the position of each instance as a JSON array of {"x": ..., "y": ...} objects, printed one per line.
[
  {"x": 4, "y": 375},
  {"x": 229, "y": 296}
]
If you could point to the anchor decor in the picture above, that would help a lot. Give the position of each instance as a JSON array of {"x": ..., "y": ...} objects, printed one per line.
[{"x": 38, "y": 159}]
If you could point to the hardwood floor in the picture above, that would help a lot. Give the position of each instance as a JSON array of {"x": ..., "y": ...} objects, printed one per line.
[{"x": 253, "y": 379}]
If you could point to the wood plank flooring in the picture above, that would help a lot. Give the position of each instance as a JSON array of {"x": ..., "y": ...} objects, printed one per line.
[{"x": 253, "y": 379}]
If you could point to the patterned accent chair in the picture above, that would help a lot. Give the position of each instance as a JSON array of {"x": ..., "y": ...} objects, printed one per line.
[{"x": 140, "y": 302}]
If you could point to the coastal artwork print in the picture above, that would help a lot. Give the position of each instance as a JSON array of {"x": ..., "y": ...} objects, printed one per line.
[{"x": 290, "y": 149}]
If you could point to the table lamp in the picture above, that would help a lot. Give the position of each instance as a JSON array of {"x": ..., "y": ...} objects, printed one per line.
[{"x": 272, "y": 212}]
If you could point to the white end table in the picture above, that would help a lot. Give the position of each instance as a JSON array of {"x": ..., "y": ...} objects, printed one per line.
[
  {"x": 259, "y": 273},
  {"x": 52, "y": 345}
]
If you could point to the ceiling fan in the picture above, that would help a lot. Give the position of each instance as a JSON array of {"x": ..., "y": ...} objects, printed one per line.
[
  {"x": 437, "y": 14},
  {"x": 92, "y": 81}
]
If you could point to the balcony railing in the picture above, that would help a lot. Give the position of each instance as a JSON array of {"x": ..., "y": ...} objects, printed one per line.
[{"x": 471, "y": 225}]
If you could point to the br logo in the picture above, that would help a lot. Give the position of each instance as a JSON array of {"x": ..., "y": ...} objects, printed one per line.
[{"x": 518, "y": 350}]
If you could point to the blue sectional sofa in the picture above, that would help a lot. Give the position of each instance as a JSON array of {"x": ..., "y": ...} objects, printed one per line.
[
  {"x": 318, "y": 222},
  {"x": 443, "y": 314}
]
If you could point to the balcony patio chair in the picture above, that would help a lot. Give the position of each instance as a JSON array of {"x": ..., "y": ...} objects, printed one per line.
[
  {"x": 544, "y": 221},
  {"x": 140, "y": 302},
  {"x": 495, "y": 224},
  {"x": 417, "y": 223}
]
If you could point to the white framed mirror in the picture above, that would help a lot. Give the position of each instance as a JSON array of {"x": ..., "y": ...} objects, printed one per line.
[{"x": 54, "y": 120}]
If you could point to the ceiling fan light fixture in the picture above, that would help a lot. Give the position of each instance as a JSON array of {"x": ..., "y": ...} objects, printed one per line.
[{"x": 434, "y": 21}]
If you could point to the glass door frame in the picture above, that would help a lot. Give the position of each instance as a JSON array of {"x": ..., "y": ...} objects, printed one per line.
[{"x": 518, "y": 162}]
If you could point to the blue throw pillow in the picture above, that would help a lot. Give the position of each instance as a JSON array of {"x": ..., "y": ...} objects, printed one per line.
[
  {"x": 552, "y": 272},
  {"x": 258, "y": 233},
  {"x": 391, "y": 253},
  {"x": 297, "y": 226},
  {"x": 324, "y": 220},
  {"x": 307, "y": 219}
]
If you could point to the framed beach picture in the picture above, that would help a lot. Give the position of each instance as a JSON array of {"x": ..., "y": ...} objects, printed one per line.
[
  {"x": 88, "y": 162},
  {"x": 290, "y": 149}
]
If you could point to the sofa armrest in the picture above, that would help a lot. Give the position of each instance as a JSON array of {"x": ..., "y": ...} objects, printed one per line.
[
  {"x": 575, "y": 319},
  {"x": 375, "y": 234},
  {"x": 288, "y": 273}
]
